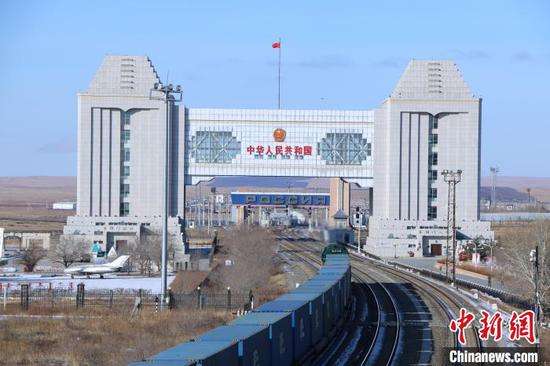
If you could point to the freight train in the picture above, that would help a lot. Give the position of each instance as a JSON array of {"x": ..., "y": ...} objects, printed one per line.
[{"x": 284, "y": 331}]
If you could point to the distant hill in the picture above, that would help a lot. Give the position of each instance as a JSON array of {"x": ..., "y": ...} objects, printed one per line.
[
  {"x": 540, "y": 187},
  {"x": 36, "y": 190}
]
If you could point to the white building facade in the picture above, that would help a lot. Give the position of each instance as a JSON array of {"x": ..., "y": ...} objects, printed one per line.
[{"x": 430, "y": 122}]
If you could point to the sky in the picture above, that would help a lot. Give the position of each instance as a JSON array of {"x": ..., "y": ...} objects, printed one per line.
[{"x": 335, "y": 55}]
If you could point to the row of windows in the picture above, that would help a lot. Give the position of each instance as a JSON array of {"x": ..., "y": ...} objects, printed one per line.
[
  {"x": 433, "y": 161},
  {"x": 125, "y": 169}
]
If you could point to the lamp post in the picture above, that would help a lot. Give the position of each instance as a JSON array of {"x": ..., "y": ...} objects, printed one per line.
[
  {"x": 452, "y": 178},
  {"x": 169, "y": 95}
]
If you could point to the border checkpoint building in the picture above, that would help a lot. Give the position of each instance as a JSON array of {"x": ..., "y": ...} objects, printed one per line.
[{"x": 430, "y": 122}]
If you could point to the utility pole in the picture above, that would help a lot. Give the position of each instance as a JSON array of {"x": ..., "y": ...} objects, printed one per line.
[
  {"x": 169, "y": 95},
  {"x": 534, "y": 258},
  {"x": 452, "y": 178},
  {"x": 494, "y": 172},
  {"x": 448, "y": 235}
]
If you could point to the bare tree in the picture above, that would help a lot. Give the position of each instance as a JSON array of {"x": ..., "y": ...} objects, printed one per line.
[
  {"x": 31, "y": 256},
  {"x": 143, "y": 253},
  {"x": 155, "y": 246},
  {"x": 519, "y": 243},
  {"x": 251, "y": 253},
  {"x": 70, "y": 249}
]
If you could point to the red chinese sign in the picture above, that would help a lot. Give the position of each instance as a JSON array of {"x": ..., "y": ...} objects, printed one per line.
[
  {"x": 283, "y": 150},
  {"x": 520, "y": 326}
]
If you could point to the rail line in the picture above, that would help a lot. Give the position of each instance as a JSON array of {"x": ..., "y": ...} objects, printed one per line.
[
  {"x": 473, "y": 334},
  {"x": 444, "y": 300},
  {"x": 308, "y": 257}
]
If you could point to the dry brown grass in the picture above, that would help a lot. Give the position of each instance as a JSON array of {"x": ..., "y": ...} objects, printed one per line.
[{"x": 110, "y": 340}]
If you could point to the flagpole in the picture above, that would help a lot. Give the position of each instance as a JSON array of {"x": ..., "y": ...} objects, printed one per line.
[{"x": 279, "y": 94}]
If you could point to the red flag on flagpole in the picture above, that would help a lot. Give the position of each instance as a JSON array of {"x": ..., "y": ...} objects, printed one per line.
[{"x": 276, "y": 45}]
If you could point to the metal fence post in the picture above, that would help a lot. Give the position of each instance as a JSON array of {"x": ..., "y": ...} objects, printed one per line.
[
  {"x": 199, "y": 300},
  {"x": 229, "y": 298},
  {"x": 25, "y": 296},
  {"x": 110, "y": 298},
  {"x": 80, "y": 295}
]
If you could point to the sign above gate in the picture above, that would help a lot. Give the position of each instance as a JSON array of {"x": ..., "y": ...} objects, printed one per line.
[{"x": 280, "y": 199}]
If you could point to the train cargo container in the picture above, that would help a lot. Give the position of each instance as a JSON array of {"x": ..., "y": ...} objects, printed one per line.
[
  {"x": 280, "y": 333},
  {"x": 224, "y": 352},
  {"x": 326, "y": 288},
  {"x": 316, "y": 311},
  {"x": 338, "y": 289},
  {"x": 253, "y": 341},
  {"x": 342, "y": 271},
  {"x": 301, "y": 327}
]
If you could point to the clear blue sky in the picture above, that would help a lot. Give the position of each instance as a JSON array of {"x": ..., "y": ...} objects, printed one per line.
[{"x": 338, "y": 54}]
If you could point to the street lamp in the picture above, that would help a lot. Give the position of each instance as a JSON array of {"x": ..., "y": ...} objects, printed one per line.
[
  {"x": 452, "y": 178},
  {"x": 169, "y": 96}
]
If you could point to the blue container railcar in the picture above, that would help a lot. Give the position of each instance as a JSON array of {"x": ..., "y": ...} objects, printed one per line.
[
  {"x": 326, "y": 288},
  {"x": 299, "y": 310},
  {"x": 252, "y": 340},
  {"x": 202, "y": 353},
  {"x": 280, "y": 333},
  {"x": 315, "y": 312}
]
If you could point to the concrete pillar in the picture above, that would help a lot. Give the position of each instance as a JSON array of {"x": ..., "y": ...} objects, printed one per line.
[
  {"x": 239, "y": 215},
  {"x": 339, "y": 197}
]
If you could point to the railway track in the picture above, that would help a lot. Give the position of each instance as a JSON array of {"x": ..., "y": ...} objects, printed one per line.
[
  {"x": 396, "y": 311},
  {"x": 368, "y": 330}
]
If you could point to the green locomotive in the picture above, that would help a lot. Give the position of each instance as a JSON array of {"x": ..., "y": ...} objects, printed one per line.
[{"x": 333, "y": 248}]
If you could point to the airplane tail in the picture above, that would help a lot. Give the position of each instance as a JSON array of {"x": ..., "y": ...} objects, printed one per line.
[{"x": 120, "y": 261}]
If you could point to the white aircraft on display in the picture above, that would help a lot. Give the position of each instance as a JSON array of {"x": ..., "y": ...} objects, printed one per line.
[{"x": 98, "y": 269}]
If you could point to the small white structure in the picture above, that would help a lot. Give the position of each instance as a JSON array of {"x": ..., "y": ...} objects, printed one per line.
[{"x": 64, "y": 206}]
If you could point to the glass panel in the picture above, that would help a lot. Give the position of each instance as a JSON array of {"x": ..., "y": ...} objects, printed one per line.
[
  {"x": 344, "y": 149},
  {"x": 214, "y": 147}
]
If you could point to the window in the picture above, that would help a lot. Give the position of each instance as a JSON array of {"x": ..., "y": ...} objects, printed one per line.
[
  {"x": 125, "y": 135},
  {"x": 124, "y": 209},
  {"x": 432, "y": 193},
  {"x": 126, "y": 154},
  {"x": 125, "y": 171},
  {"x": 433, "y": 139},
  {"x": 127, "y": 118},
  {"x": 124, "y": 190},
  {"x": 432, "y": 175},
  {"x": 344, "y": 149},
  {"x": 214, "y": 147},
  {"x": 433, "y": 158},
  {"x": 432, "y": 212},
  {"x": 435, "y": 123}
]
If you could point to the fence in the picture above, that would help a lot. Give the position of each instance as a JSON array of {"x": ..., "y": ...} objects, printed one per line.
[{"x": 26, "y": 298}]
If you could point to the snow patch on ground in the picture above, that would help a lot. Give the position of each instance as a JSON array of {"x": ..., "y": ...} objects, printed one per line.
[{"x": 110, "y": 282}]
